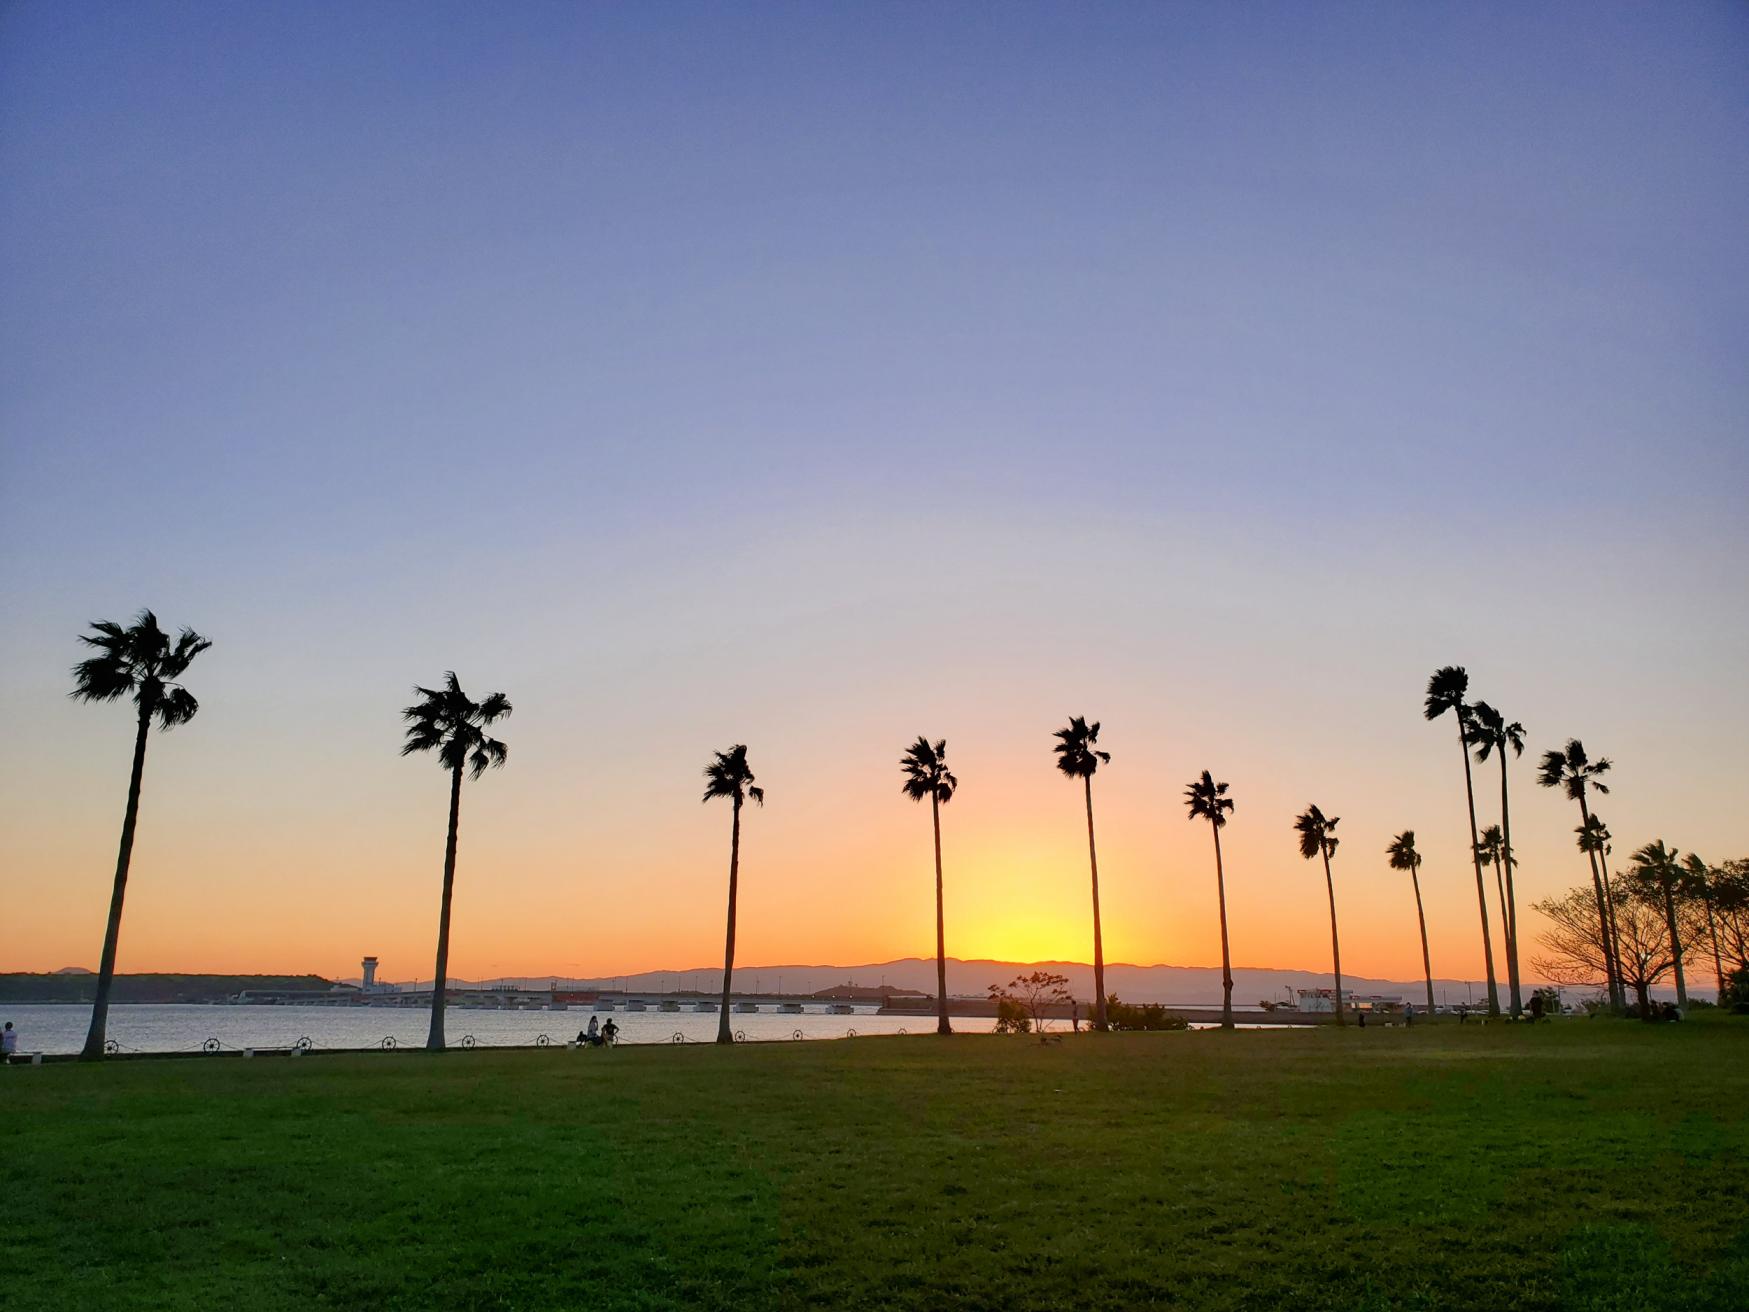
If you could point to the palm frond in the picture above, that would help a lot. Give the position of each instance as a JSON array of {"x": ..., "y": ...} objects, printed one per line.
[{"x": 1446, "y": 691}]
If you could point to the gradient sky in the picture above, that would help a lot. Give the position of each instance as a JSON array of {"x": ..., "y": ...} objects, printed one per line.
[{"x": 819, "y": 376}]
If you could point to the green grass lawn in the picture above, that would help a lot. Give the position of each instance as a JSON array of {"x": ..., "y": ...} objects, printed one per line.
[{"x": 1581, "y": 1164}]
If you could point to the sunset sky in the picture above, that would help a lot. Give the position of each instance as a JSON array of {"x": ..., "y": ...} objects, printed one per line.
[{"x": 819, "y": 376}]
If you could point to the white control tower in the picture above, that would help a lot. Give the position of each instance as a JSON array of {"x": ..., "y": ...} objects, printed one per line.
[{"x": 370, "y": 973}]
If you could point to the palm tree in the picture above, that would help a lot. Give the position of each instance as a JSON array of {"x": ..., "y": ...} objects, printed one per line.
[
  {"x": 1445, "y": 692},
  {"x": 728, "y": 776},
  {"x": 1492, "y": 850},
  {"x": 142, "y": 662},
  {"x": 1403, "y": 856},
  {"x": 1318, "y": 837},
  {"x": 1490, "y": 734},
  {"x": 1699, "y": 883},
  {"x": 1207, "y": 800},
  {"x": 447, "y": 721},
  {"x": 1572, "y": 770},
  {"x": 1079, "y": 759},
  {"x": 1659, "y": 872},
  {"x": 927, "y": 775}
]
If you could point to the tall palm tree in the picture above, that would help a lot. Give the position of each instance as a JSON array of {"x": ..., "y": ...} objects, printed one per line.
[
  {"x": 1572, "y": 770},
  {"x": 1445, "y": 692},
  {"x": 729, "y": 776},
  {"x": 1492, "y": 850},
  {"x": 1079, "y": 759},
  {"x": 1491, "y": 735},
  {"x": 927, "y": 775},
  {"x": 1698, "y": 883},
  {"x": 447, "y": 721},
  {"x": 1403, "y": 856},
  {"x": 1207, "y": 800},
  {"x": 1659, "y": 872},
  {"x": 139, "y": 661},
  {"x": 1318, "y": 838}
]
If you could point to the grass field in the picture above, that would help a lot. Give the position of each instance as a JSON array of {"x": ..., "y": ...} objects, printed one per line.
[{"x": 1575, "y": 1165}]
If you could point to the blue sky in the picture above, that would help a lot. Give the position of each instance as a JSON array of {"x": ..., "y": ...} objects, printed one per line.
[{"x": 706, "y": 371}]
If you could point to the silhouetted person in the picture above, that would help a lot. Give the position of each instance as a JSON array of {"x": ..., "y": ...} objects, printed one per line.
[
  {"x": 610, "y": 1032},
  {"x": 8, "y": 1042},
  {"x": 1362, "y": 1016},
  {"x": 1536, "y": 1006},
  {"x": 593, "y": 1033}
]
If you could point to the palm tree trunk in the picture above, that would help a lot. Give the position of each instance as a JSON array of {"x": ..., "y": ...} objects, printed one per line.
[
  {"x": 724, "y": 1033},
  {"x": 434, "y": 1041},
  {"x": 1098, "y": 941},
  {"x": 1712, "y": 930},
  {"x": 1511, "y": 894},
  {"x": 1226, "y": 958},
  {"x": 1426, "y": 960},
  {"x": 1500, "y": 892},
  {"x": 1335, "y": 943},
  {"x": 941, "y": 1025},
  {"x": 1675, "y": 946},
  {"x": 1611, "y": 961},
  {"x": 1481, "y": 886},
  {"x": 96, "y": 1035},
  {"x": 1621, "y": 964}
]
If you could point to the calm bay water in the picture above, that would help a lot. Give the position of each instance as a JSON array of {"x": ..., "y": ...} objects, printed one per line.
[{"x": 50, "y": 1028}]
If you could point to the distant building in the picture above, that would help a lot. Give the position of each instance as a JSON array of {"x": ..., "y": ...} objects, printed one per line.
[{"x": 1325, "y": 1000}]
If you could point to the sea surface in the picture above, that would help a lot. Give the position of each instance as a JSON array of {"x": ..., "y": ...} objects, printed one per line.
[{"x": 60, "y": 1028}]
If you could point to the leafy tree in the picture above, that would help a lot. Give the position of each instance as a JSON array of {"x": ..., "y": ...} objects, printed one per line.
[
  {"x": 1011, "y": 1017},
  {"x": 1445, "y": 693},
  {"x": 1656, "y": 878},
  {"x": 1034, "y": 995},
  {"x": 1735, "y": 994},
  {"x": 1572, "y": 770},
  {"x": 1078, "y": 758},
  {"x": 1573, "y": 944},
  {"x": 1208, "y": 800},
  {"x": 1318, "y": 838},
  {"x": 1403, "y": 856},
  {"x": 1146, "y": 1016},
  {"x": 927, "y": 775},
  {"x": 447, "y": 721},
  {"x": 1491, "y": 734},
  {"x": 141, "y": 662},
  {"x": 1728, "y": 901},
  {"x": 728, "y": 776}
]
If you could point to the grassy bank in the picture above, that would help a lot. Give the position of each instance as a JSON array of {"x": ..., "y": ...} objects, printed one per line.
[{"x": 1576, "y": 1165}]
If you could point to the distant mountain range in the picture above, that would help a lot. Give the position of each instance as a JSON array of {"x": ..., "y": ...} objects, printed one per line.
[{"x": 1185, "y": 985}]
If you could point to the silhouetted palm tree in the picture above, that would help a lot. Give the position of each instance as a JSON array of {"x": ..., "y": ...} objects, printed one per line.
[
  {"x": 1491, "y": 734},
  {"x": 1659, "y": 872},
  {"x": 1445, "y": 692},
  {"x": 1079, "y": 759},
  {"x": 728, "y": 776},
  {"x": 1572, "y": 770},
  {"x": 1698, "y": 883},
  {"x": 142, "y": 662},
  {"x": 1403, "y": 856},
  {"x": 1207, "y": 800},
  {"x": 927, "y": 775},
  {"x": 1492, "y": 851},
  {"x": 447, "y": 721},
  {"x": 1318, "y": 838}
]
